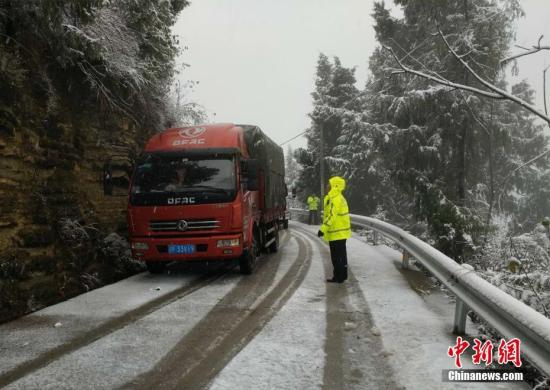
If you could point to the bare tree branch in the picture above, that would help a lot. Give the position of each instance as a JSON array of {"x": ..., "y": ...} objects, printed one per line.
[
  {"x": 544, "y": 89},
  {"x": 533, "y": 50},
  {"x": 397, "y": 72},
  {"x": 441, "y": 80},
  {"x": 505, "y": 182},
  {"x": 496, "y": 90},
  {"x": 525, "y": 53},
  {"x": 409, "y": 54}
]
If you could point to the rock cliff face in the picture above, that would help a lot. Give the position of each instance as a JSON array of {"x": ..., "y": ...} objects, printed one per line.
[
  {"x": 59, "y": 235},
  {"x": 81, "y": 82}
]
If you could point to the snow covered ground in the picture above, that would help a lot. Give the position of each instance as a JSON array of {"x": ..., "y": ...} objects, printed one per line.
[
  {"x": 288, "y": 352},
  {"x": 414, "y": 333},
  {"x": 373, "y": 332}
]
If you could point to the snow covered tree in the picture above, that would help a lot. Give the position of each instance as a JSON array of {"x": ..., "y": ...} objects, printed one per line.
[
  {"x": 333, "y": 96},
  {"x": 116, "y": 56},
  {"x": 435, "y": 154},
  {"x": 181, "y": 112},
  {"x": 292, "y": 168}
]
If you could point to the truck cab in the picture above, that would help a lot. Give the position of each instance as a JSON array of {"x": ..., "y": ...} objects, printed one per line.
[{"x": 196, "y": 193}]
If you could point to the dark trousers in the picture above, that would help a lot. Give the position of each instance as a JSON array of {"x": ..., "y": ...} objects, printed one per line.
[
  {"x": 313, "y": 217},
  {"x": 339, "y": 257}
]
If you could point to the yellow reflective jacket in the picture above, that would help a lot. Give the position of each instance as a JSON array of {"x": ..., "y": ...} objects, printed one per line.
[
  {"x": 313, "y": 202},
  {"x": 336, "y": 222}
]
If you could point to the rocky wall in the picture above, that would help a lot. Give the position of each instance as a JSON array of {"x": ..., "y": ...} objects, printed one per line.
[{"x": 59, "y": 234}]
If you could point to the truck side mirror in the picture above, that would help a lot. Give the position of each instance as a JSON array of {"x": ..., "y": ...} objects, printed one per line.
[
  {"x": 115, "y": 177},
  {"x": 251, "y": 173},
  {"x": 107, "y": 179}
]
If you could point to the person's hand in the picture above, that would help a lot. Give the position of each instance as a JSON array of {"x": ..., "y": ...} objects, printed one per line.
[{"x": 320, "y": 234}]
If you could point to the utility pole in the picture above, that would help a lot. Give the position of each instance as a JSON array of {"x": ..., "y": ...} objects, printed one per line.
[{"x": 322, "y": 161}]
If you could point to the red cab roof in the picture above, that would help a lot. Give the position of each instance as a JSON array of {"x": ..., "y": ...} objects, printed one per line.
[{"x": 220, "y": 135}]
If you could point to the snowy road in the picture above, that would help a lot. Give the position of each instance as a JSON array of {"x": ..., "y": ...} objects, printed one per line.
[{"x": 281, "y": 328}]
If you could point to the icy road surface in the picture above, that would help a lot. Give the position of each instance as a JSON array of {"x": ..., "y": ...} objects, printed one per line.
[{"x": 283, "y": 327}]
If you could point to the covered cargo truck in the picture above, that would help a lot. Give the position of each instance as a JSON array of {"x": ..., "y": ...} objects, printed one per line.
[
  {"x": 211, "y": 192},
  {"x": 271, "y": 163}
]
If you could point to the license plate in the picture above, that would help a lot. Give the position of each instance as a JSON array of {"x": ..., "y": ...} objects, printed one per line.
[{"x": 181, "y": 249}]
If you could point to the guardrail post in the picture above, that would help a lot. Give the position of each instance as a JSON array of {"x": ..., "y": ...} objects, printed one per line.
[
  {"x": 406, "y": 256},
  {"x": 461, "y": 311},
  {"x": 374, "y": 237}
]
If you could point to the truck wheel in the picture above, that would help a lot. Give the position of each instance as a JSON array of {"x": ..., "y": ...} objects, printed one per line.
[
  {"x": 155, "y": 267},
  {"x": 247, "y": 262},
  {"x": 274, "y": 247}
]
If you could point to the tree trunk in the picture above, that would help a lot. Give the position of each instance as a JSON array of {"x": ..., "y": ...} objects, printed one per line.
[{"x": 461, "y": 166}]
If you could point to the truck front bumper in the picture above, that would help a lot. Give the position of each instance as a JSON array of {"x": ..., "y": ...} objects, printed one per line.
[{"x": 205, "y": 248}]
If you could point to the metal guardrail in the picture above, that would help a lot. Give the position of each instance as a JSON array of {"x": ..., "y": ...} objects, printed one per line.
[{"x": 507, "y": 315}]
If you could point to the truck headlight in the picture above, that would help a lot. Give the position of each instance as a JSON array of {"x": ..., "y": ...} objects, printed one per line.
[
  {"x": 140, "y": 246},
  {"x": 226, "y": 243}
]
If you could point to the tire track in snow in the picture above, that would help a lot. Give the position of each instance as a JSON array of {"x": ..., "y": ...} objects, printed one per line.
[
  {"x": 288, "y": 351},
  {"x": 228, "y": 327},
  {"x": 119, "y": 357},
  {"x": 115, "y": 324},
  {"x": 354, "y": 356},
  {"x": 108, "y": 327}
]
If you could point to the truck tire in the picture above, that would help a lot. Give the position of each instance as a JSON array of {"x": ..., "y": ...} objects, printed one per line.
[
  {"x": 274, "y": 247},
  {"x": 247, "y": 262},
  {"x": 155, "y": 267}
]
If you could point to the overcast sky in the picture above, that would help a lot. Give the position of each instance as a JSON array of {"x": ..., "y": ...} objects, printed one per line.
[{"x": 255, "y": 59}]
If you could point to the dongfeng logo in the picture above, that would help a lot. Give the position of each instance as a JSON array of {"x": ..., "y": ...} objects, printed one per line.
[
  {"x": 192, "y": 132},
  {"x": 182, "y": 225}
]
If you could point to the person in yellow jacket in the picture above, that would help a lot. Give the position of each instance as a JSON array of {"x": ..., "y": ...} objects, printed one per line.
[
  {"x": 313, "y": 205},
  {"x": 336, "y": 228}
]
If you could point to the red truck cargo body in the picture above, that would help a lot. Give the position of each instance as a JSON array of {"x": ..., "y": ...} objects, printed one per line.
[{"x": 189, "y": 199}]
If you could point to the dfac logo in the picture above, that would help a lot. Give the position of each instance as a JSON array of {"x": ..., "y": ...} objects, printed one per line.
[
  {"x": 192, "y": 132},
  {"x": 186, "y": 200}
]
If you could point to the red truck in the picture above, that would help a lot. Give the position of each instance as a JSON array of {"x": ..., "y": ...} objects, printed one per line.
[{"x": 211, "y": 192}]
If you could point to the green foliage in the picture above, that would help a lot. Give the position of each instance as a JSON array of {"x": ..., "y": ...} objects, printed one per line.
[
  {"x": 450, "y": 152},
  {"x": 450, "y": 226},
  {"x": 420, "y": 154},
  {"x": 519, "y": 264},
  {"x": 94, "y": 54}
]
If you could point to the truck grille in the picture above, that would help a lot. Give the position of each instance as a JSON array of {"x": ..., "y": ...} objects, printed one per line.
[{"x": 182, "y": 225}]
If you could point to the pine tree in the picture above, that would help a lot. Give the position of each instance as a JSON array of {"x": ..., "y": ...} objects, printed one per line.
[
  {"x": 421, "y": 151},
  {"x": 523, "y": 190},
  {"x": 292, "y": 168},
  {"x": 333, "y": 98}
]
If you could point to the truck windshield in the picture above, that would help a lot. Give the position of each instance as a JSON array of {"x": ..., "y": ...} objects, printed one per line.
[{"x": 171, "y": 179}]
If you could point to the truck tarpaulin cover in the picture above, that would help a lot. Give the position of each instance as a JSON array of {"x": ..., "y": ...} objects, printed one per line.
[{"x": 272, "y": 162}]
